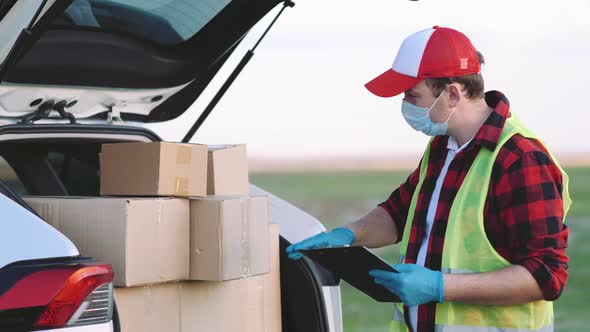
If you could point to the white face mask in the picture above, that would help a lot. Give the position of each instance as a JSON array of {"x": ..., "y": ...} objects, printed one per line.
[{"x": 419, "y": 118}]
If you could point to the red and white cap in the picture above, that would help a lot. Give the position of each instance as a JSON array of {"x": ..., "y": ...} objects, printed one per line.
[{"x": 431, "y": 53}]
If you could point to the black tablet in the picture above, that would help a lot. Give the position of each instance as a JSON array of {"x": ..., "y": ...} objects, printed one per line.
[{"x": 352, "y": 264}]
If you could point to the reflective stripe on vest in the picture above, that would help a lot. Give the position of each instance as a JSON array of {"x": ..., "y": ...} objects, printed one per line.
[
  {"x": 398, "y": 324},
  {"x": 468, "y": 250}
]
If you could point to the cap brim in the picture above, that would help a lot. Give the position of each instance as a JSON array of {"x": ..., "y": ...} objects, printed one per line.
[{"x": 391, "y": 83}]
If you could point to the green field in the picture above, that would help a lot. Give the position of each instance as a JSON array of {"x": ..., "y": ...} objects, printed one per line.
[{"x": 338, "y": 198}]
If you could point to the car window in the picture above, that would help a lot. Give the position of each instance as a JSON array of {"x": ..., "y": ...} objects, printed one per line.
[
  {"x": 9, "y": 177},
  {"x": 165, "y": 22}
]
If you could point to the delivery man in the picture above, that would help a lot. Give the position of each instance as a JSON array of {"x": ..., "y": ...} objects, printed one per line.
[{"x": 481, "y": 219}]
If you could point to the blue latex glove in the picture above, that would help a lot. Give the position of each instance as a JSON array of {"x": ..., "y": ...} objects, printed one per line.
[
  {"x": 414, "y": 284},
  {"x": 335, "y": 238}
]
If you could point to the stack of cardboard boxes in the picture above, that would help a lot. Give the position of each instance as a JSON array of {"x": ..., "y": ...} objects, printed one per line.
[{"x": 190, "y": 248}]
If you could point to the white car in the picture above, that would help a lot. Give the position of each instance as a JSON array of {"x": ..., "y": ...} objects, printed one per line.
[{"x": 76, "y": 74}]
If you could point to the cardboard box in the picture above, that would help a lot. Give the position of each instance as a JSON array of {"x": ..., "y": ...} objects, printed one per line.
[
  {"x": 227, "y": 170},
  {"x": 149, "y": 308},
  {"x": 249, "y": 305},
  {"x": 272, "y": 283},
  {"x": 228, "y": 237},
  {"x": 153, "y": 169},
  {"x": 144, "y": 239}
]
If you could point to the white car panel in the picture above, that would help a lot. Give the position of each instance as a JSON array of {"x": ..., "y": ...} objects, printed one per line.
[
  {"x": 15, "y": 100},
  {"x": 25, "y": 236},
  {"x": 105, "y": 327},
  {"x": 296, "y": 224},
  {"x": 334, "y": 305}
]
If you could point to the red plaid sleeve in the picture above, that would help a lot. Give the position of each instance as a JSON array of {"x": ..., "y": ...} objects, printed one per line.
[
  {"x": 528, "y": 195},
  {"x": 398, "y": 203}
]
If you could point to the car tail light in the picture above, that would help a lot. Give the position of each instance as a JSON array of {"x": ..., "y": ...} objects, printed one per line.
[{"x": 86, "y": 298}]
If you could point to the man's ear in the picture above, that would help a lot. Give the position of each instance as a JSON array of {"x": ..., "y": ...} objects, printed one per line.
[{"x": 454, "y": 95}]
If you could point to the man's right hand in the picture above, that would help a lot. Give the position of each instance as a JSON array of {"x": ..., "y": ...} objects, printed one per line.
[{"x": 336, "y": 238}]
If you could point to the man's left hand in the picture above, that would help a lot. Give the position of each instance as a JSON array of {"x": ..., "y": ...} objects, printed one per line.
[{"x": 414, "y": 284}]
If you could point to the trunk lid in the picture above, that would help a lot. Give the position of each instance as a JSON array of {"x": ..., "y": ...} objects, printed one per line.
[{"x": 136, "y": 60}]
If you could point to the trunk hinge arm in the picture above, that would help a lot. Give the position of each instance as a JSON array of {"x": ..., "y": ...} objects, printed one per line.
[{"x": 189, "y": 135}]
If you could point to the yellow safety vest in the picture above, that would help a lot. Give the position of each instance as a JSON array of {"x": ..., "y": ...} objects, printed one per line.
[{"x": 468, "y": 250}]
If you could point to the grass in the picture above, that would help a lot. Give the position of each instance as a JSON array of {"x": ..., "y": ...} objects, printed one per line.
[{"x": 337, "y": 198}]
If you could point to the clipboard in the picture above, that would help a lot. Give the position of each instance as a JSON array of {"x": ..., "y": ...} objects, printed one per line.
[{"x": 352, "y": 264}]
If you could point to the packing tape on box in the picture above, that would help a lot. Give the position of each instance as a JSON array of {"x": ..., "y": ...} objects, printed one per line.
[
  {"x": 183, "y": 154},
  {"x": 245, "y": 236},
  {"x": 160, "y": 226},
  {"x": 181, "y": 187}
]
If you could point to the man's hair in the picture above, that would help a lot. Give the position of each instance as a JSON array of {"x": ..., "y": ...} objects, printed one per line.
[{"x": 473, "y": 83}]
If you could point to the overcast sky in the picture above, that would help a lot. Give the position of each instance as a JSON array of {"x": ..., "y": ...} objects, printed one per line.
[{"x": 302, "y": 95}]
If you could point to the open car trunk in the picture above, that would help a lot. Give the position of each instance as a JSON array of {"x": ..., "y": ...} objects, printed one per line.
[
  {"x": 62, "y": 160},
  {"x": 110, "y": 66}
]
